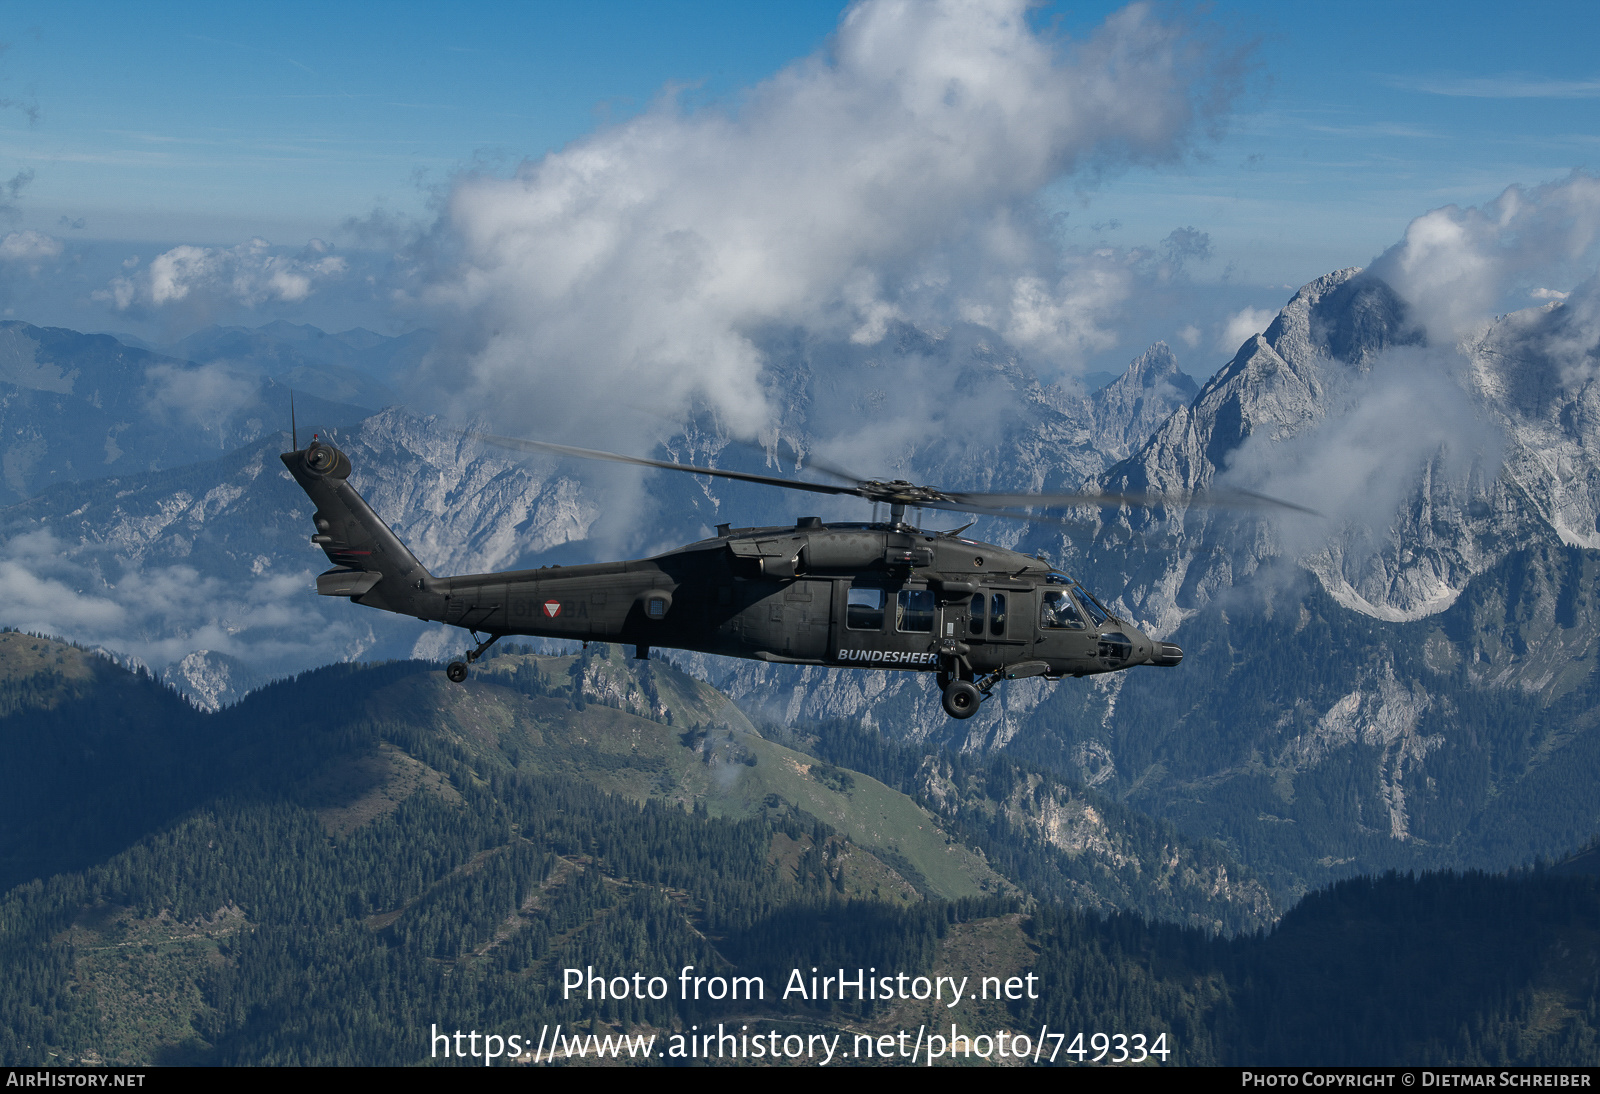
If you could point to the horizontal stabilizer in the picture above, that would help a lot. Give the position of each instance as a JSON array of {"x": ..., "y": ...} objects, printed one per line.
[{"x": 347, "y": 582}]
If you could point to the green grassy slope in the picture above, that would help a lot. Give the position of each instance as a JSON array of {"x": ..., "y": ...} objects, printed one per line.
[{"x": 708, "y": 753}]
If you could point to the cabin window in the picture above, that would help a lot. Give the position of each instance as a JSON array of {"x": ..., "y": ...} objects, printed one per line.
[
  {"x": 915, "y": 614},
  {"x": 655, "y": 607},
  {"x": 997, "y": 614},
  {"x": 864, "y": 611},
  {"x": 1058, "y": 612},
  {"x": 975, "y": 615}
]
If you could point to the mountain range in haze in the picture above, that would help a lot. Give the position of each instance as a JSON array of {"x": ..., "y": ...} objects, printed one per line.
[{"x": 1401, "y": 681}]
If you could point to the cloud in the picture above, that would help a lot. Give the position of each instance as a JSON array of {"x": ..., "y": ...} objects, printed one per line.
[
  {"x": 12, "y": 189},
  {"x": 34, "y": 598},
  {"x": 158, "y": 614},
  {"x": 29, "y": 248},
  {"x": 29, "y": 105},
  {"x": 1457, "y": 268},
  {"x": 201, "y": 396},
  {"x": 891, "y": 179},
  {"x": 1563, "y": 337},
  {"x": 250, "y": 274},
  {"x": 1414, "y": 436},
  {"x": 1242, "y": 325},
  {"x": 1184, "y": 245},
  {"x": 14, "y": 185},
  {"x": 1362, "y": 461},
  {"x": 1508, "y": 86}
]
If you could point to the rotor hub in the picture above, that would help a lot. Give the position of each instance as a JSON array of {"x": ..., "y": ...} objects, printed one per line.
[{"x": 901, "y": 492}]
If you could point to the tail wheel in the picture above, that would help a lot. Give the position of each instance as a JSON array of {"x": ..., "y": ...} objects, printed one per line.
[
  {"x": 456, "y": 671},
  {"x": 961, "y": 699}
]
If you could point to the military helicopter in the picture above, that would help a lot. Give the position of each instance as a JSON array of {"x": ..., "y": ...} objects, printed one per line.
[{"x": 883, "y": 596}]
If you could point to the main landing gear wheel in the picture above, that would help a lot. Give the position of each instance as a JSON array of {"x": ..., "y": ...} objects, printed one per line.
[
  {"x": 457, "y": 670},
  {"x": 961, "y": 698}
]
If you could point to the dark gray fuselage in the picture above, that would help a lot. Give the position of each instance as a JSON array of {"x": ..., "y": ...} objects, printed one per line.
[{"x": 847, "y": 595}]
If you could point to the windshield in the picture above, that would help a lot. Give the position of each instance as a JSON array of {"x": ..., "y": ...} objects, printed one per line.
[
  {"x": 1058, "y": 612},
  {"x": 1096, "y": 611}
]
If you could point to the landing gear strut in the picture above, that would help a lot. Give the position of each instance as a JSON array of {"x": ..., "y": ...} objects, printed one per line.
[{"x": 456, "y": 671}]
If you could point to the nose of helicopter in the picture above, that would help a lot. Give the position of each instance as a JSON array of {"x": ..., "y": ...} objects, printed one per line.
[
  {"x": 1148, "y": 651},
  {"x": 1166, "y": 655}
]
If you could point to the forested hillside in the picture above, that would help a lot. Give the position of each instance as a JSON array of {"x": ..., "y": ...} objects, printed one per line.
[{"x": 326, "y": 872}]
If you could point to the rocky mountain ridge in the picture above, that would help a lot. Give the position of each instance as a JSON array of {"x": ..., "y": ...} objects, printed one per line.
[{"x": 1450, "y": 458}]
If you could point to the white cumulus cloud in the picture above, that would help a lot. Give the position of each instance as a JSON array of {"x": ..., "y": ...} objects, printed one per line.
[
  {"x": 250, "y": 274},
  {"x": 892, "y": 178},
  {"x": 29, "y": 247},
  {"x": 1458, "y": 267},
  {"x": 159, "y": 613},
  {"x": 1244, "y": 324}
]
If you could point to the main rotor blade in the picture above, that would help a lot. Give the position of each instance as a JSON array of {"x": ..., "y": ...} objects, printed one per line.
[
  {"x": 811, "y": 462},
  {"x": 521, "y": 445},
  {"x": 1210, "y": 499},
  {"x": 902, "y": 493},
  {"x": 814, "y": 464},
  {"x": 985, "y": 511}
]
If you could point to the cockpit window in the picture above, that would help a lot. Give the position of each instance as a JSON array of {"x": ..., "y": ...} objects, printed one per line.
[
  {"x": 1096, "y": 611},
  {"x": 1093, "y": 608},
  {"x": 1058, "y": 612}
]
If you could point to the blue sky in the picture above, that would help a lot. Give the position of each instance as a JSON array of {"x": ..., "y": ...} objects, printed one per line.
[
  {"x": 215, "y": 122},
  {"x": 154, "y": 125}
]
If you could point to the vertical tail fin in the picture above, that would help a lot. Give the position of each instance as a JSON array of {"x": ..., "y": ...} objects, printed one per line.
[{"x": 371, "y": 565}]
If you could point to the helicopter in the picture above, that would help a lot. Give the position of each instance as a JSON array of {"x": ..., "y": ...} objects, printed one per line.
[{"x": 875, "y": 596}]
